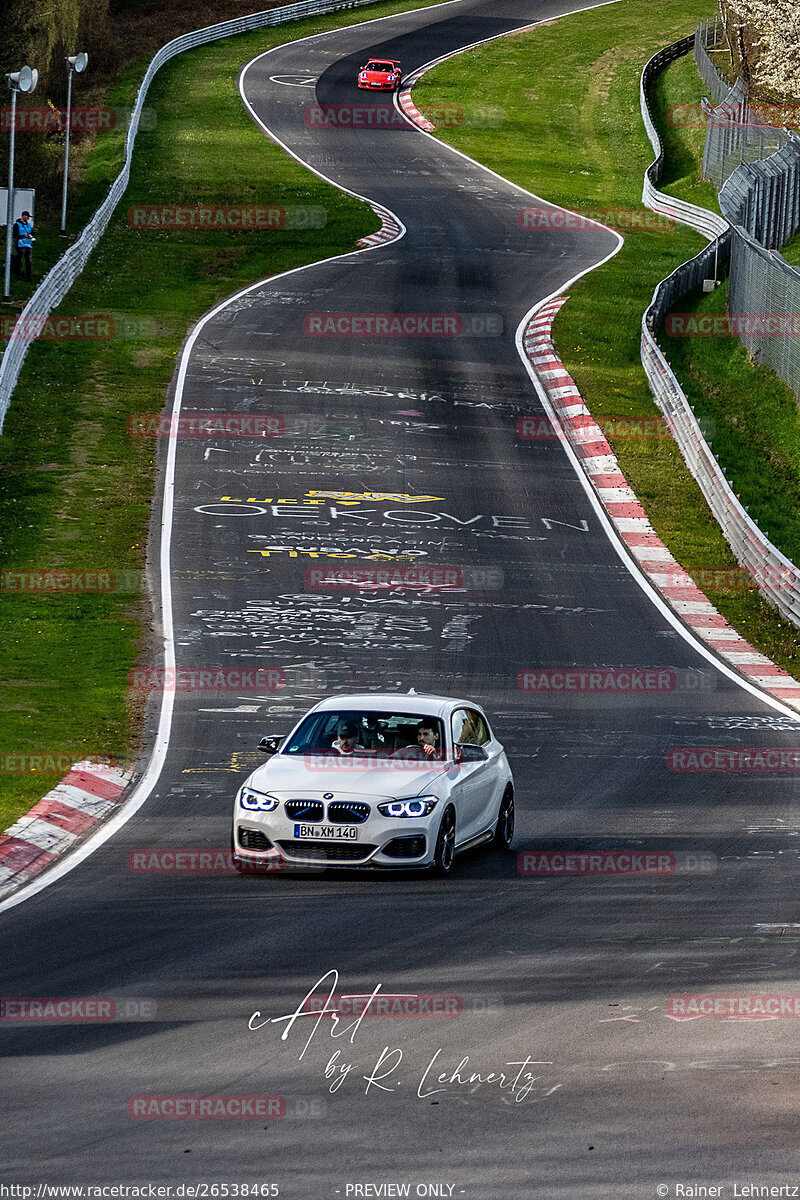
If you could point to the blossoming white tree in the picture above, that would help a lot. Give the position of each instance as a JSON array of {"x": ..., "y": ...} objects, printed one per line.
[{"x": 773, "y": 28}]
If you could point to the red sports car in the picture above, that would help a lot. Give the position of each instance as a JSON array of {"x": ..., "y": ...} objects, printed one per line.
[{"x": 380, "y": 73}]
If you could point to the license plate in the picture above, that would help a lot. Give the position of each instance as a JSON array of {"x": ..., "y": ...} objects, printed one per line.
[{"x": 330, "y": 833}]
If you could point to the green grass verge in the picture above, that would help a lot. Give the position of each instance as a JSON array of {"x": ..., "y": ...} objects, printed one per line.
[
  {"x": 675, "y": 99},
  {"x": 572, "y": 133},
  {"x": 791, "y": 251},
  {"x": 75, "y": 488},
  {"x": 754, "y": 420}
]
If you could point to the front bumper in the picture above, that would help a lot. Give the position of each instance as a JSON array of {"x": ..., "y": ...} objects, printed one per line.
[{"x": 268, "y": 841}]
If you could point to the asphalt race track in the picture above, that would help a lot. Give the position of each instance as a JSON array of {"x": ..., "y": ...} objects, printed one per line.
[{"x": 406, "y": 448}]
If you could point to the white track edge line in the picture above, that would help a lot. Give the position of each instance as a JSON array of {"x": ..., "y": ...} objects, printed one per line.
[
  {"x": 161, "y": 744},
  {"x": 621, "y": 549},
  {"x": 619, "y": 546}
]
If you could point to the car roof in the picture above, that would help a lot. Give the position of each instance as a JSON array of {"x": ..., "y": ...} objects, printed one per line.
[{"x": 400, "y": 702}]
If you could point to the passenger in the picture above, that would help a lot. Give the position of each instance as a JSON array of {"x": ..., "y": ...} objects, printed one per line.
[{"x": 346, "y": 741}]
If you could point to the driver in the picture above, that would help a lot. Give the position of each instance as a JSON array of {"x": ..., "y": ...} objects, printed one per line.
[{"x": 427, "y": 743}]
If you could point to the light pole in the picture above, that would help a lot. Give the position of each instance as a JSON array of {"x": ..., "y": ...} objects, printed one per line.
[
  {"x": 24, "y": 80},
  {"x": 77, "y": 62}
]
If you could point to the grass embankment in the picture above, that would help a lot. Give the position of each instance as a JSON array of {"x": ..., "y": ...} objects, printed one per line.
[
  {"x": 791, "y": 251},
  {"x": 752, "y": 414},
  {"x": 573, "y": 134},
  {"x": 755, "y": 420},
  {"x": 75, "y": 488}
]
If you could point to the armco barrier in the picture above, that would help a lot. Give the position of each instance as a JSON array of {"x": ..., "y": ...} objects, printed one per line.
[
  {"x": 705, "y": 222},
  {"x": 55, "y": 285},
  {"x": 778, "y": 579}
]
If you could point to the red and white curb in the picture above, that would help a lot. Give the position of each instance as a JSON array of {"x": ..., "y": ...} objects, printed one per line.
[
  {"x": 409, "y": 107},
  {"x": 84, "y": 798},
  {"x": 390, "y": 229},
  {"x": 630, "y": 519}
]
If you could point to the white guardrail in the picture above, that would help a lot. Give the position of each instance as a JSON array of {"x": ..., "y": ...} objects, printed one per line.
[
  {"x": 777, "y": 578},
  {"x": 711, "y": 225},
  {"x": 55, "y": 285}
]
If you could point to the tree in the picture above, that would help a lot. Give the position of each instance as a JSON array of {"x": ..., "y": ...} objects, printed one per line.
[{"x": 765, "y": 36}]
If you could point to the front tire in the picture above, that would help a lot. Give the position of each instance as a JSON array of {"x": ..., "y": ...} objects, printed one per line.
[
  {"x": 444, "y": 855},
  {"x": 504, "y": 830}
]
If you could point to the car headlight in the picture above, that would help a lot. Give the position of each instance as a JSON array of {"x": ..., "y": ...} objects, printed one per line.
[
  {"x": 257, "y": 801},
  {"x": 420, "y": 806},
  {"x": 363, "y": 74}
]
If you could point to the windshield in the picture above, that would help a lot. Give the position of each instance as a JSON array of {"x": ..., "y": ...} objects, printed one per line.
[
  {"x": 374, "y": 735},
  {"x": 380, "y": 67}
]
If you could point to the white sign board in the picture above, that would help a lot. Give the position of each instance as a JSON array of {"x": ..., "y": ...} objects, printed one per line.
[{"x": 24, "y": 200}]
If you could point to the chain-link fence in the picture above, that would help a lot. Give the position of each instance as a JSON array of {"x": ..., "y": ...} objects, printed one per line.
[
  {"x": 761, "y": 282},
  {"x": 55, "y": 285},
  {"x": 738, "y": 134},
  {"x": 756, "y": 168},
  {"x": 764, "y": 305},
  {"x": 754, "y": 164},
  {"x": 710, "y": 35}
]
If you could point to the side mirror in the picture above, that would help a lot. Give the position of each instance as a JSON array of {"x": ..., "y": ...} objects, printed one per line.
[
  {"x": 270, "y": 744},
  {"x": 467, "y": 753}
]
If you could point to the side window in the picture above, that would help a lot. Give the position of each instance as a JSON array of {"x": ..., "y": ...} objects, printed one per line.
[
  {"x": 477, "y": 732},
  {"x": 460, "y": 726},
  {"x": 470, "y": 727}
]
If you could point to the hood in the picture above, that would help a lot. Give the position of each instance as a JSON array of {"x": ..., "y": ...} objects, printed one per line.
[{"x": 297, "y": 776}]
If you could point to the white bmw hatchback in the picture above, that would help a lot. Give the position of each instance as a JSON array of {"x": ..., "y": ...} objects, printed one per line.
[{"x": 376, "y": 780}]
